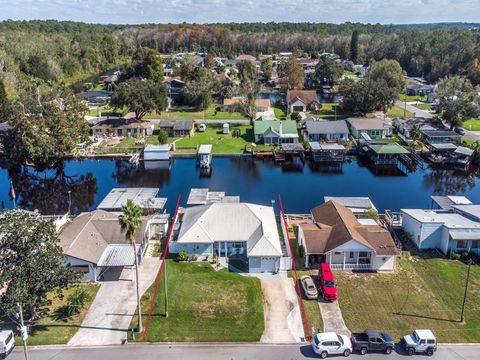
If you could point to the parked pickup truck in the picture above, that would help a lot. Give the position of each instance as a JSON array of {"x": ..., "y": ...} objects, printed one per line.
[
  {"x": 420, "y": 341},
  {"x": 372, "y": 340}
]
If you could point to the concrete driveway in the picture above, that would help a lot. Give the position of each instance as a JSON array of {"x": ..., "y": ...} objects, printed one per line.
[
  {"x": 332, "y": 317},
  {"x": 111, "y": 312},
  {"x": 283, "y": 320},
  {"x": 418, "y": 112}
]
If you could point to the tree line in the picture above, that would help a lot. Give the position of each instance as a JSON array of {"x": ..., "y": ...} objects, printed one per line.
[{"x": 70, "y": 52}]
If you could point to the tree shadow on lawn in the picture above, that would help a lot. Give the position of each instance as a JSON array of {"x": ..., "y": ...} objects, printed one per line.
[{"x": 425, "y": 317}]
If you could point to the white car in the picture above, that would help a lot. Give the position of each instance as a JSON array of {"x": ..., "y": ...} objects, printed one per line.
[
  {"x": 7, "y": 343},
  {"x": 330, "y": 343}
]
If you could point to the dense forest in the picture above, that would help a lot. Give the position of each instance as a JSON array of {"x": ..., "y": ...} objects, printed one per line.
[{"x": 72, "y": 52}]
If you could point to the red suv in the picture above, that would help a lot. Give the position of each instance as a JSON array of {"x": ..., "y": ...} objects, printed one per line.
[{"x": 327, "y": 282}]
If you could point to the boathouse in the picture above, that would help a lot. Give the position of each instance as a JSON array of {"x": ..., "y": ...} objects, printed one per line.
[
  {"x": 327, "y": 152},
  {"x": 384, "y": 153},
  {"x": 204, "y": 155},
  {"x": 156, "y": 152}
]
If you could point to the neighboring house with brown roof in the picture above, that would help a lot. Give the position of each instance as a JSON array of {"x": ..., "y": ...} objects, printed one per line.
[
  {"x": 94, "y": 245},
  {"x": 122, "y": 127},
  {"x": 336, "y": 236},
  {"x": 178, "y": 128},
  {"x": 301, "y": 100}
]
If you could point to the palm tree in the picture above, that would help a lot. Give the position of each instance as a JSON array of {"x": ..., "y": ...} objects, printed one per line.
[
  {"x": 415, "y": 133},
  {"x": 130, "y": 221}
]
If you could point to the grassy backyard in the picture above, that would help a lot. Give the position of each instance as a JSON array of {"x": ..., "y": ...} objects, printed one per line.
[
  {"x": 205, "y": 305},
  {"x": 222, "y": 143},
  {"x": 188, "y": 113},
  {"x": 422, "y": 293},
  {"x": 396, "y": 111},
  {"x": 411, "y": 98},
  {"x": 472, "y": 124},
  {"x": 54, "y": 327}
]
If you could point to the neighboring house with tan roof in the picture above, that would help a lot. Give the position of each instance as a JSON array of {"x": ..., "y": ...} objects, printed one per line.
[
  {"x": 235, "y": 232},
  {"x": 301, "y": 100},
  {"x": 94, "y": 245},
  {"x": 336, "y": 236}
]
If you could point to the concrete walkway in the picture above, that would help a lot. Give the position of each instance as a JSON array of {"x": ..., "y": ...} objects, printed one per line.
[
  {"x": 111, "y": 312},
  {"x": 332, "y": 317},
  {"x": 283, "y": 320}
]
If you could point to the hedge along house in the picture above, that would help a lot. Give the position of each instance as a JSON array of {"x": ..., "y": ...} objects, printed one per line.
[
  {"x": 243, "y": 232},
  {"x": 337, "y": 237},
  {"x": 273, "y": 132}
]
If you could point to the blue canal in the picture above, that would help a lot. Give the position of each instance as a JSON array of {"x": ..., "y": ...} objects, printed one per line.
[{"x": 302, "y": 185}]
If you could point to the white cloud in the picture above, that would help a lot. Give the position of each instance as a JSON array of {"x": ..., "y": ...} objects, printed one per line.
[{"x": 163, "y": 11}]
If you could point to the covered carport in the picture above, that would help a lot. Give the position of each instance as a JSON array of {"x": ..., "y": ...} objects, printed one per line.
[{"x": 115, "y": 262}]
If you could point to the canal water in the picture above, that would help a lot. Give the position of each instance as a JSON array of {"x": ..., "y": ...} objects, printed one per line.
[{"x": 302, "y": 186}]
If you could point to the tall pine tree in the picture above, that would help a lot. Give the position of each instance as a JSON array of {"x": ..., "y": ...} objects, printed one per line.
[{"x": 354, "y": 47}]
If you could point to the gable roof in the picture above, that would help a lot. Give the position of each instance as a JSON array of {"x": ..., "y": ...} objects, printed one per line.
[
  {"x": 176, "y": 125},
  {"x": 322, "y": 126},
  {"x": 305, "y": 96},
  {"x": 89, "y": 235},
  {"x": 366, "y": 123},
  {"x": 261, "y": 127},
  {"x": 335, "y": 225},
  {"x": 243, "y": 222}
]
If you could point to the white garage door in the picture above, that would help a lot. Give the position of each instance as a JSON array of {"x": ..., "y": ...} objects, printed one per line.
[{"x": 269, "y": 264}]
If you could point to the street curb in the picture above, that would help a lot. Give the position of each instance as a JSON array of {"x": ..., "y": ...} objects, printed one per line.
[
  {"x": 198, "y": 344},
  {"x": 164, "y": 344}
]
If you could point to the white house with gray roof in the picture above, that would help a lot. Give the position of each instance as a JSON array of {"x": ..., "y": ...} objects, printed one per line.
[
  {"x": 325, "y": 130},
  {"x": 243, "y": 231},
  {"x": 436, "y": 229}
]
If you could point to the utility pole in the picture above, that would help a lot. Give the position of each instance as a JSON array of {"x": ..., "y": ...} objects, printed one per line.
[
  {"x": 165, "y": 287},
  {"x": 465, "y": 293},
  {"x": 23, "y": 331},
  {"x": 405, "y": 107}
]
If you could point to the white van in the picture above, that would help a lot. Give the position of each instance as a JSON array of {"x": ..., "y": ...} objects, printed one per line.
[{"x": 7, "y": 343}]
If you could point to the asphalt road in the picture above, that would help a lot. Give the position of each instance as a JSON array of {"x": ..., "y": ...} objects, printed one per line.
[{"x": 221, "y": 351}]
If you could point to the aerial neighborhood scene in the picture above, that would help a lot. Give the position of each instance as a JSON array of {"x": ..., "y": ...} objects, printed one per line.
[{"x": 239, "y": 180}]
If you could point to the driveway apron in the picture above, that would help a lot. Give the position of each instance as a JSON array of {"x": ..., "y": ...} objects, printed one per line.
[
  {"x": 108, "y": 319},
  {"x": 283, "y": 321}
]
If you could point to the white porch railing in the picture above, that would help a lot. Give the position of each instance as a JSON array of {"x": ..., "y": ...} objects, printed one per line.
[{"x": 348, "y": 266}]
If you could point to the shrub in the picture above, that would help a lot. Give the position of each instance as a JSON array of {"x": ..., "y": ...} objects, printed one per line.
[
  {"x": 162, "y": 136},
  {"x": 214, "y": 259},
  {"x": 182, "y": 256},
  {"x": 295, "y": 116},
  {"x": 194, "y": 257},
  {"x": 301, "y": 251},
  {"x": 76, "y": 301},
  {"x": 454, "y": 256}
]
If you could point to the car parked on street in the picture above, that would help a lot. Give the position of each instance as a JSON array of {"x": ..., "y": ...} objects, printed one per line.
[
  {"x": 330, "y": 343},
  {"x": 309, "y": 288},
  {"x": 372, "y": 340},
  {"x": 7, "y": 343},
  {"x": 327, "y": 282},
  {"x": 420, "y": 341}
]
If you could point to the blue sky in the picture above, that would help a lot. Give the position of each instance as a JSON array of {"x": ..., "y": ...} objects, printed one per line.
[{"x": 205, "y": 11}]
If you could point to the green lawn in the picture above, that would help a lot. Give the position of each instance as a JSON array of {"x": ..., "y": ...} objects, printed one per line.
[
  {"x": 222, "y": 143},
  {"x": 279, "y": 113},
  {"x": 105, "y": 110},
  {"x": 411, "y": 98},
  {"x": 54, "y": 328},
  {"x": 419, "y": 294},
  {"x": 396, "y": 111},
  {"x": 188, "y": 113},
  {"x": 423, "y": 106},
  {"x": 472, "y": 124},
  {"x": 205, "y": 305}
]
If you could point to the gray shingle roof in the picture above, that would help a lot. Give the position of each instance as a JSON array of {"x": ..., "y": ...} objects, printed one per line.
[{"x": 321, "y": 126}]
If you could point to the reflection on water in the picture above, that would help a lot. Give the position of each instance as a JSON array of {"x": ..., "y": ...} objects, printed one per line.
[{"x": 302, "y": 185}]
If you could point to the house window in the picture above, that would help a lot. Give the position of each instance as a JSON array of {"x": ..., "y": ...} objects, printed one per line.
[
  {"x": 475, "y": 244},
  {"x": 362, "y": 254},
  {"x": 461, "y": 244},
  {"x": 351, "y": 255}
]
